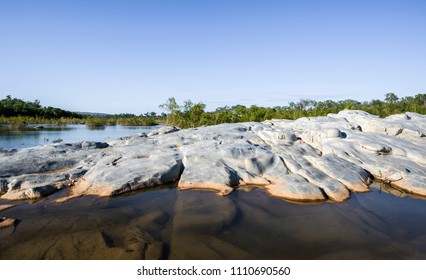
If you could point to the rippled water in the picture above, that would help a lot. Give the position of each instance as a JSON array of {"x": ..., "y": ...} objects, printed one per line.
[
  {"x": 32, "y": 136},
  {"x": 248, "y": 224}
]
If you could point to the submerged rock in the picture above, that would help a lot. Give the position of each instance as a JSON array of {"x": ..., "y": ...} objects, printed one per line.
[
  {"x": 6, "y": 206},
  {"x": 196, "y": 225},
  {"x": 7, "y": 222},
  {"x": 308, "y": 159}
]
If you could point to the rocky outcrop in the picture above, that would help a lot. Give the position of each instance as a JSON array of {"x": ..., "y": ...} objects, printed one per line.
[
  {"x": 37, "y": 172},
  {"x": 308, "y": 159}
]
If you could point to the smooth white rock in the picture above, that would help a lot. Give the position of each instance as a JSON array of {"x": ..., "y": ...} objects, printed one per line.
[{"x": 313, "y": 158}]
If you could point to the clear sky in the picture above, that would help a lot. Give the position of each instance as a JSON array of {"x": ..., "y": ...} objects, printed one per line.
[{"x": 130, "y": 56}]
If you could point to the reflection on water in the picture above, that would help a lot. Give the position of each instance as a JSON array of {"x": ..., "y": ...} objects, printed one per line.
[
  {"x": 123, "y": 227},
  {"x": 170, "y": 224},
  {"x": 12, "y": 138}
]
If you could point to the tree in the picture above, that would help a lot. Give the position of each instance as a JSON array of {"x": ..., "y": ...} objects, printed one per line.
[
  {"x": 195, "y": 113},
  {"x": 391, "y": 97},
  {"x": 420, "y": 99},
  {"x": 172, "y": 107}
]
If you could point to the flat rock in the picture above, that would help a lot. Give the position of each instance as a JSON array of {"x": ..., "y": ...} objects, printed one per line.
[
  {"x": 308, "y": 159},
  {"x": 295, "y": 187},
  {"x": 349, "y": 174}
]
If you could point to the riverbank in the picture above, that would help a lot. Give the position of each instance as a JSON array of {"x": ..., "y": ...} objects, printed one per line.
[{"x": 35, "y": 122}]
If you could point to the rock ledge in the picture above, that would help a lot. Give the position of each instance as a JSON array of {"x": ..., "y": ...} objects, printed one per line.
[{"x": 309, "y": 159}]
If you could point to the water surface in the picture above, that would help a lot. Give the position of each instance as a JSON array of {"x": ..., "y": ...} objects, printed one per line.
[
  {"x": 168, "y": 224},
  {"x": 31, "y": 136}
]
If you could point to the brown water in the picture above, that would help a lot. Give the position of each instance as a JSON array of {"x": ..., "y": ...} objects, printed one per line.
[{"x": 169, "y": 224}]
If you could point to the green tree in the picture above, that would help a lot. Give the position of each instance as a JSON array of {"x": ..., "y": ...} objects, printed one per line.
[
  {"x": 391, "y": 97},
  {"x": 172, "y": 108},
  {"x": 195, "y": 114}
]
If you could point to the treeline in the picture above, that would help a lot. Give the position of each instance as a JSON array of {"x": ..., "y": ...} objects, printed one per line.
[
  {"x": 126, "y": 119},
  {"x": 18, "y": 112},
  {"x": 14, "y": 107},
  {"x": 193, "y": 114}
]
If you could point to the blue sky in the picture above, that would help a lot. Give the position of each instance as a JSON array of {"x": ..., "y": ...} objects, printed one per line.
[{"x": 130, "y": 56}]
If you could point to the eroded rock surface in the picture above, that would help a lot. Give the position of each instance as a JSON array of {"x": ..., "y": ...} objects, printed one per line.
[{"x": 307, "y": 159}]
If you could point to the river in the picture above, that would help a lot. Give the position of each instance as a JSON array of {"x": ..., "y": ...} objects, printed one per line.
[{"x": 35, "y": 135}]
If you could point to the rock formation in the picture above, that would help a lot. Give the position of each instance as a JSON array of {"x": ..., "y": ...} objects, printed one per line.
[{"x": 309, "y": 159}]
